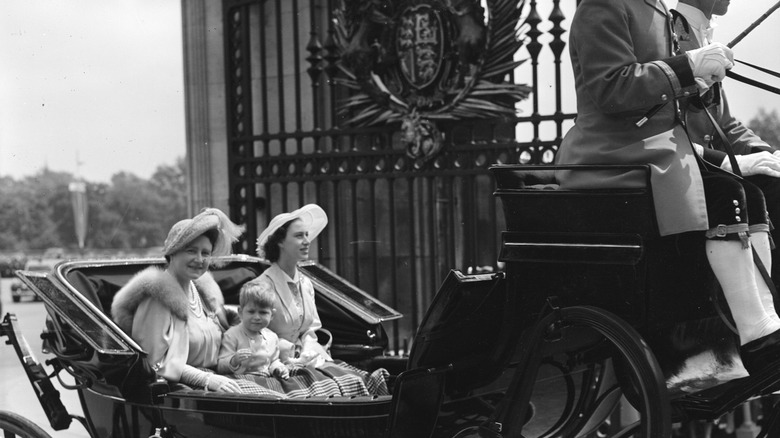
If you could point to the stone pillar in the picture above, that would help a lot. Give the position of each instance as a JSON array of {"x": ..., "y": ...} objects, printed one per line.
[{"x": 204, "y": 86}]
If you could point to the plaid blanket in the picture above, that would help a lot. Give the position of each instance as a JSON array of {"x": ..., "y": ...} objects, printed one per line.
[{"x": 331, "y": 379}]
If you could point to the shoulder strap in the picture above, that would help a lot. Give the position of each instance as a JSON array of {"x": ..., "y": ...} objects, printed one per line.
[
  {"x": 725, "y": 141},
  {"x": 676, "y": 16}
]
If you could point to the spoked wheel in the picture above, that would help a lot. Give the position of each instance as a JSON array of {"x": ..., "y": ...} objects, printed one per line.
[
  {"x": 590, "y": 344},
  {"x": 14, "y": 425},
  {"x": 582, "y": 372}
]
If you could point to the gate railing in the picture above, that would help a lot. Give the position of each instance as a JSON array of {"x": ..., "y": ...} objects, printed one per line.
[{"x": 397, "y": 225}]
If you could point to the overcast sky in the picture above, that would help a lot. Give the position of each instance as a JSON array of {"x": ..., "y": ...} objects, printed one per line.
[
  {"x": 97, "y": 80},
  {"x": 100, "y": 82}
]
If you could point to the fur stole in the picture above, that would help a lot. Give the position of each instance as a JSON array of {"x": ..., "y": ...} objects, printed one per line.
[{"x": 154, "y": 282}]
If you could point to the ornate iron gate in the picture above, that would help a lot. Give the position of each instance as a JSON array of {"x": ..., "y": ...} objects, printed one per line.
[{"x": 397, "y": 224}]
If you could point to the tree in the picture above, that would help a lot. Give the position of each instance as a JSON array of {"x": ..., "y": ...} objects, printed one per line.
[
  {"x": 130, "y": 212},
  {"x": 170, "y": 182},
  {"x": 14, "y": 214},
  {"x": 42, "y": 209},
  {"x": 140, "y": 210},
  {"x": 767, "y": 126}
]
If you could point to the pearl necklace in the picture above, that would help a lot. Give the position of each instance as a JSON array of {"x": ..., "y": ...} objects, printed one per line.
[{"x": 194, "y": 302}]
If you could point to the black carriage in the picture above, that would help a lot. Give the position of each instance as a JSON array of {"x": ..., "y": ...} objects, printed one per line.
[
  {"x": 598, "y": 326},
  {"x": 587, "y": 332}
]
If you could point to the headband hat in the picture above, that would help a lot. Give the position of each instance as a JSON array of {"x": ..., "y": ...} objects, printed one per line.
[
  {"x": 314, "y": 221},
  {"x": 187, "y": 230}
]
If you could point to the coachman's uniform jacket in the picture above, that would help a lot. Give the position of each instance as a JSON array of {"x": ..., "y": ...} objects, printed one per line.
[
  {"x": 624, "y": 64},
  {"x": 700, "y": 129}
]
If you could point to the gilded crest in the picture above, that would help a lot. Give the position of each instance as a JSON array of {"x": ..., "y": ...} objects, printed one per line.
[
  {"x": 420, "y": 44},
  {"x": 417, "y": 62}
]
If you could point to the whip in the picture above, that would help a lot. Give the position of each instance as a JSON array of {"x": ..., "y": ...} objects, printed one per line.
[
  {"x": 730, "y": 45},
  {"x": 753, "y": 26}
]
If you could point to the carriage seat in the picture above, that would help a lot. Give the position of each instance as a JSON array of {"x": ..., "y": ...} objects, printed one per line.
[
  {"x": 99, "y": 285},
  {"x": 598, "y": 247}
]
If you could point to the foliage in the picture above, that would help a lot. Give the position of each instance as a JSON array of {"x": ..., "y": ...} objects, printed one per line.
[
  {"x": 767, "y": 126},
  {"x": 130, "y": 212}
]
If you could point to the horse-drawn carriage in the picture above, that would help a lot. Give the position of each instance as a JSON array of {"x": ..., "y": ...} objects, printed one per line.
[{"x": 588, "y": 332}]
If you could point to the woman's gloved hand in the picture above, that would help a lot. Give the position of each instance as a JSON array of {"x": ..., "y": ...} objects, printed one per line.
[
  {"x": 222, "y": 384},
  {"x": 709, "y": 64},
  {"x": 760, "y": 163},
  {"x": 286, "y": 350}
]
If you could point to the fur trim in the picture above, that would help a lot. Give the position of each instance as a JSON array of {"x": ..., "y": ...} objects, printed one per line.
[
  {"x": 210, "y": 292},
  {"x": 155, "y": 283}
]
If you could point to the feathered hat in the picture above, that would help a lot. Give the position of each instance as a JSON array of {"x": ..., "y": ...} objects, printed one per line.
[{"x": 187, "y": 230}]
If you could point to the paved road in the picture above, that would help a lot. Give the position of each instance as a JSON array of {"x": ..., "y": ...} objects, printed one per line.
[{"x": 16, "y": 393}]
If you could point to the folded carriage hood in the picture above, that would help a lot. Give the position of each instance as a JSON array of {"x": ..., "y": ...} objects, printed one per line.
[
  {"x": 368, "y": 308},
  {"x": 65, "y": 303}
]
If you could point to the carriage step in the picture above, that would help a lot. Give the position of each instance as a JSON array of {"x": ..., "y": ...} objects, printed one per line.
[
  {"x": 47, "y": 394},
  {"x": 711, "y": 403}
]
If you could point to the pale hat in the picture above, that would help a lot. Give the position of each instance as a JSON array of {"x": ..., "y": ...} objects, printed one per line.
[
  {"x": 313, "y": 217},
  {"x": 187, "y": 230}
]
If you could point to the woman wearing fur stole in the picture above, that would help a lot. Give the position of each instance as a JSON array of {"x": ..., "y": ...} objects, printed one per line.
[{"x": 176, "y": 314}]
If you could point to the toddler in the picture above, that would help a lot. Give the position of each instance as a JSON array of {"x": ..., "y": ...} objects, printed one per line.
[{"x": 251, "y": 347}]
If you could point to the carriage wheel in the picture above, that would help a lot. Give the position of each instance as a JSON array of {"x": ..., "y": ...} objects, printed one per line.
[
  {"x": 579, "y": 366},
  {"x": 14, "y": 425},
  {"x": 610, "y": 342},
  {"x": 588, "y": 344}
]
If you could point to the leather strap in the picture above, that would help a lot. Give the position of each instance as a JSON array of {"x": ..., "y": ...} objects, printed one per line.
[
  {"x": 765, "y": 275},
  {"x": 726, "y": 143},
  {"x": 748, "y": 81},
  {"x": 730, "y": 151},
  {"x": 759, "y": 68}
]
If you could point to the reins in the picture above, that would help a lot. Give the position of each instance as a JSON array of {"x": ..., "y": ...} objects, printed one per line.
[
  {"x": 739, "y": 38},
  {"x": 735, "y": 169}
]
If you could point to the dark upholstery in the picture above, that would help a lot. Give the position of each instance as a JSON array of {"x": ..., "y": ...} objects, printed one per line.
[{"x": 417, "y": 395}]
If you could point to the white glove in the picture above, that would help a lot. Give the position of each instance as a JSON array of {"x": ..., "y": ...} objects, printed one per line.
[
  {"x": 709, "y": 64},
  {"x": 761, "y": 163},
  {"x": 216, "y": 382},
  {"x": 776, "y": 153}
]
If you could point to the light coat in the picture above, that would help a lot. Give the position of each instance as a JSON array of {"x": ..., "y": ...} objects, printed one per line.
[
  {"x": 153, "y": 309},
  {"x": 287, "y": 323}
]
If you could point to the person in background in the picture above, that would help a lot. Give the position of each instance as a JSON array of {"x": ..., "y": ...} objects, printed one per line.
[
  {"x": 630, "y": 84},
  {"x": 251, "y": 347},
  {"x": 176, "y": 314},
  {"x": 759, "y": 161}
]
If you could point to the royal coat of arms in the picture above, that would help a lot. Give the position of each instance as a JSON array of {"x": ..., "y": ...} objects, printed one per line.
[{"x": 418, "y": 62}]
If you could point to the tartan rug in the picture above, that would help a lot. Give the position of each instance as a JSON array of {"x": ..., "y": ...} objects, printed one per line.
[{"x": 333, "y": 379}]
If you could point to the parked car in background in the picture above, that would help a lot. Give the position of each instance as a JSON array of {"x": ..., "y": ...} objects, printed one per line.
[
  {"x": 20, "y": 289},
  {"x": 54, "y": 253},
  {"x": 10, "y": 263}
]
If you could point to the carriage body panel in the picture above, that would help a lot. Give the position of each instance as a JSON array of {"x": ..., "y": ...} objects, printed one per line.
[
  {"x": 598, "y": 247},
  {"x": 199, "y": 414}
]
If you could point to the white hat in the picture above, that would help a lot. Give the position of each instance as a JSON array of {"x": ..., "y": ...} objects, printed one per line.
[{"x": 313, "y": 217}]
